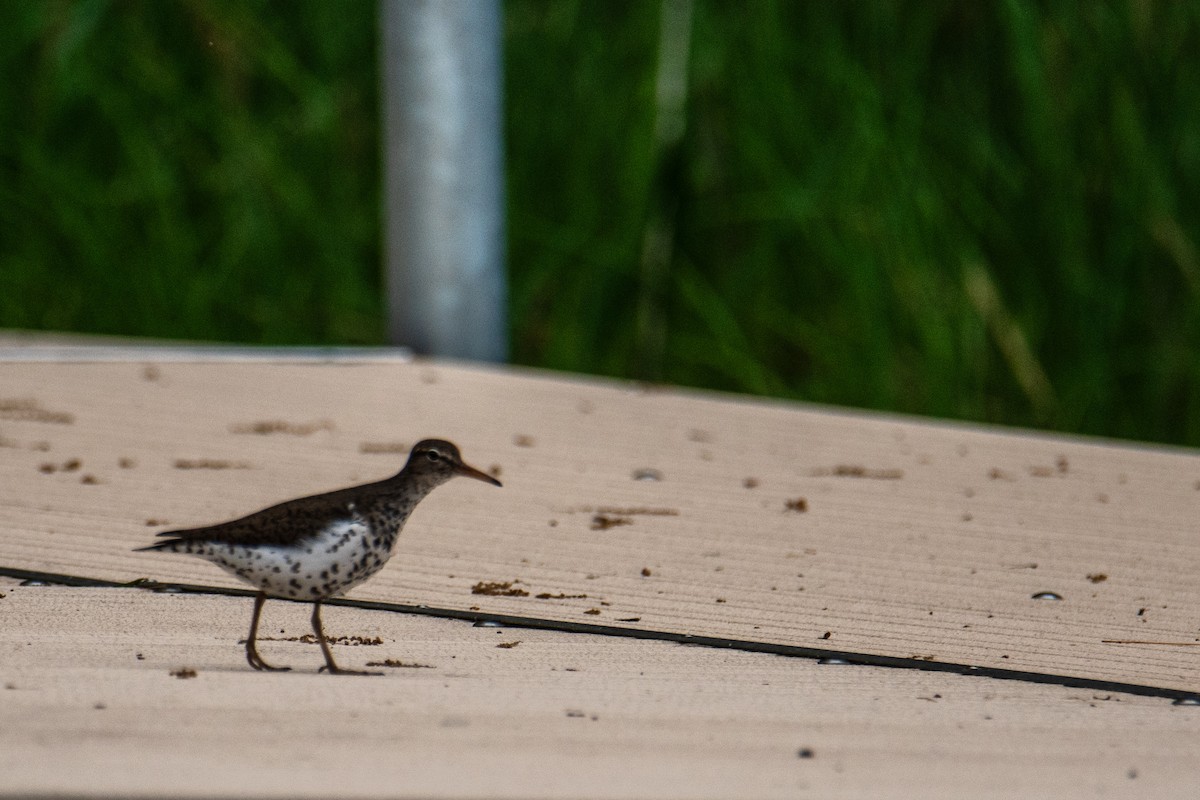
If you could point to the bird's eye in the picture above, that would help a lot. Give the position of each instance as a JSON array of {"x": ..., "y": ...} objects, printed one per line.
[{"x": 433, "y": 455}]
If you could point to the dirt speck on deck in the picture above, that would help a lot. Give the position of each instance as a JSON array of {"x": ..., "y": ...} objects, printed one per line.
[{"x": 499, "y": 589}]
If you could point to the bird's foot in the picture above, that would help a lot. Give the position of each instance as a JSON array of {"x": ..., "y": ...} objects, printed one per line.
[
  {"x": 334, "y": 669},
  {"x": 256, "y": 661}
]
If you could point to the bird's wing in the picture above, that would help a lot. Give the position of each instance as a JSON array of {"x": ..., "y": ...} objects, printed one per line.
[{"x": 291, "y": 522}]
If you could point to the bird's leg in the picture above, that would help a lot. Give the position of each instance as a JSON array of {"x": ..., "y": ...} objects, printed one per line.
[
  {"x": 251, "y": 649},
  {"x": 333, "y": 668}
]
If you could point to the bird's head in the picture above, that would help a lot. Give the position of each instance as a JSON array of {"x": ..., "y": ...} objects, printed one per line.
[{"x": 438, "y": 461}]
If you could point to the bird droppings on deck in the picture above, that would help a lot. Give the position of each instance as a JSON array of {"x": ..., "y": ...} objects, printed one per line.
[
  {"x": 209, "y": 463},
  {"x": 70, "y": 465},
  {"x": 997, "y": 474},
  {"x": 624, "y": 511},
  {"x": 28, "y": 409},
  {"x": 602, "y": 522},
  {"x": 508, "y": 645},
  {"x": 559, "y": 596},
  {"x": 352, "y": 640},
  {"x": 375, "y": 448},
  {"x": 308, "y": 638},
  {"x": 89, "y": 479},
  {"x": 269, "y": 426},
  {"x": 522, "y": 440},
  {"x": 798, "y": 504},
  {"x": 1097, "y": 577},
  {"x": 183, "y": 673},
  {"x": 124, "y": 462},
  {"x": 397, "y": 664},
  {"x": 575, "y": 713},
  {"x": 857, "y": 471},
  {"x": 750, "y": 483},
  {"x": 646, "y": 573},
  {"x": 593, "y": 611},
  {"x": 499, "y": 589}
]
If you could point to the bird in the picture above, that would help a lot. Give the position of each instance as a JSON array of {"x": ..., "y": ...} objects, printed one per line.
[{"x": 317, "y": 547}]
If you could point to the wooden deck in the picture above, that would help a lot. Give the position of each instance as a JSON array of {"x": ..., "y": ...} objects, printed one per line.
[{"x": 632, "y": 519}]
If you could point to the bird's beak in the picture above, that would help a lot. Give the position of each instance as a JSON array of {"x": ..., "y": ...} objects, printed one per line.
[{"x": 468, "y": 471}]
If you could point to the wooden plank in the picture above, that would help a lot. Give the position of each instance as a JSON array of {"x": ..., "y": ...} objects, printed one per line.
[
  {"x": 89, "y": 707},
  {"x": 914, "y": 538}
]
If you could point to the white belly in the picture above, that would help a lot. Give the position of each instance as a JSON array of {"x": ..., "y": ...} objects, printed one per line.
[{"x": 340, "y": 557}]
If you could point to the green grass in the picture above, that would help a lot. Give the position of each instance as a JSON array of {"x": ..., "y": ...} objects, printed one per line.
[{"x": 982, "y": 211}]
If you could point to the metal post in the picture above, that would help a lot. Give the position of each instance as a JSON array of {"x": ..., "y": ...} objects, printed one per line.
[{"x": 443, "y": 177}]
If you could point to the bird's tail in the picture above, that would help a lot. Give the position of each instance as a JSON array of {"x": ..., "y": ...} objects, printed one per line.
[{"x": 167, "y": 546}]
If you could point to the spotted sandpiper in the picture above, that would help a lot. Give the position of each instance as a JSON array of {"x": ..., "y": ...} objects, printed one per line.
[{"x": 314, "y": 548}]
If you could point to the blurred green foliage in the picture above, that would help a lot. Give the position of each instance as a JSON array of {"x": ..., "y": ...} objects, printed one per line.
[{"x": 986, "y": 211}]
